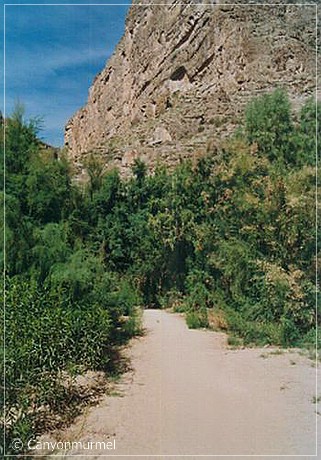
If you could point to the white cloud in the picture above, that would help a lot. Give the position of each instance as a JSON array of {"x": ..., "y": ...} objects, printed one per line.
[
  {"x": 52, "y": 56},
  {"x": 24, "y": 64}
]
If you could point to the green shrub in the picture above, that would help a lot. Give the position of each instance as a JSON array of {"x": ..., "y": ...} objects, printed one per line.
[
  {"x": 234, "y": 341},
  {"x": 172, "y": 299},
  {"x": 268, "y": 123},
  {"x": 45, "y": 335},
  {"x": 196, "y": 319}
]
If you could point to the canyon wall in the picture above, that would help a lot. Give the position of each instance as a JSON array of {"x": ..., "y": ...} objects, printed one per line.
[{"x": 181, "y": 74}]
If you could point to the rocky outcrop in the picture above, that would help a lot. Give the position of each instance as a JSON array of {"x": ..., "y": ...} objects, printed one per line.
[{"x": 181, "y": 74}]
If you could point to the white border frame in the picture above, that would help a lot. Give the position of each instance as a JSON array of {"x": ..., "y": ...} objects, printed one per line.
[{"x": 316, "y": 212}]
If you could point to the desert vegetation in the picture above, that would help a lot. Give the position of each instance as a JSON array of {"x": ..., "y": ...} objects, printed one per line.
[{"x": 229, "y": 239}]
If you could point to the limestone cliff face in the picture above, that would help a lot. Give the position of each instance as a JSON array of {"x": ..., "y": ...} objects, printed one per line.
[{"x": 181, "y": 74}]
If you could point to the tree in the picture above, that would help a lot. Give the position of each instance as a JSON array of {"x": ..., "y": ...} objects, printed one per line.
[
  {"x": 48, "y": 189},
  {"x": 95, "y": 169},
  {"x": 268, "y": 123},
  {"x": 20, "y": 140}
]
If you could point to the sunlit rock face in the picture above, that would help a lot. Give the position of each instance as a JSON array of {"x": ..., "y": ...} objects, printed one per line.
[{"x": 181, "y": 74}]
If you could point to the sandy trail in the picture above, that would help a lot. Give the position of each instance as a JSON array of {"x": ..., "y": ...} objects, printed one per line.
[{"x": 191, "y": 395}]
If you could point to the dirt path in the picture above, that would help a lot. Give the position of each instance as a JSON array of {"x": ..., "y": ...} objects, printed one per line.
[{"x": 191, "y": 395}]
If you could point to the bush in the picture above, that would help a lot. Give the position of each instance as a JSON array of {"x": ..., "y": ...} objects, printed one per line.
[
  {"x": 172, "y": 299},
  {"x": 196, "y": 319},
  {"x": 47, "y": 334},
  {"x": 268, "y": 123}
]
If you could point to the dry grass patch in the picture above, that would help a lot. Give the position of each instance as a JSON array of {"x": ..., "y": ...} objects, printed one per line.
[{"x": 217, "y": 320}]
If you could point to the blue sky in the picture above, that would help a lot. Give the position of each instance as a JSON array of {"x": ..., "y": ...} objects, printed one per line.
[{"x": 52, "y": 54}]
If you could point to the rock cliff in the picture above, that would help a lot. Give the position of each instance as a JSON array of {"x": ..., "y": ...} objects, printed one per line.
[{"x": 182, "y": 73}]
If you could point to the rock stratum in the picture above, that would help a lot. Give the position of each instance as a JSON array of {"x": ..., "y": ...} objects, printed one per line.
[{"x": 181, "y": 74}]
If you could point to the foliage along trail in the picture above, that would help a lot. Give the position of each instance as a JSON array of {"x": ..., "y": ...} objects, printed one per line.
[{"x": 228, "y": 238}]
